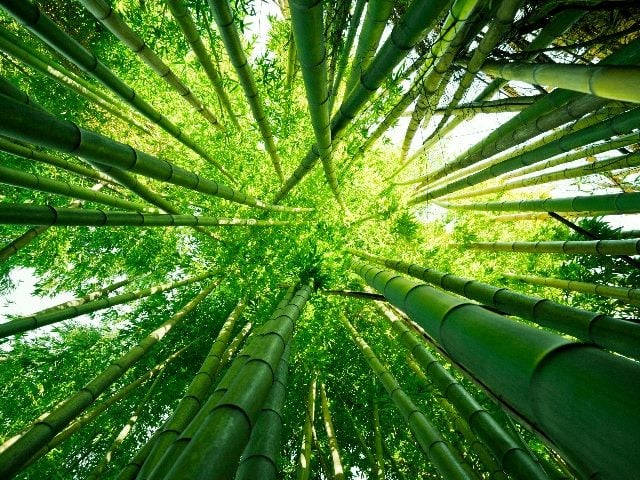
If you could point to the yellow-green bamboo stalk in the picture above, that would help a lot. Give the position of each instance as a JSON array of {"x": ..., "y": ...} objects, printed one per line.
[
  {"x": 628, "y": 295},
  {"x": 180, "y": 12},
  {"x": 611, "y": 204},
  {"x": 32, "y": 322},
  {"x": 304, "y": 462},
  {"x": 36, "y": 126},
  {"x": 15, "y": 47},
  {"x": 337, "y": 466},
  {"x": 427, "y": 436},
  {"x": 20, "y": 179},
  {"x": 454, "y": 30},
  {"x": 377, "y": 432},
  {"x": 123, "y": 392},
  {"x": 600, "y": 166},
  {"x": 34, "y": 19},
  {"x": 607, "y": 81},
  {"x": 17, "y": 451},
  {"x": 501, "y": 105},
  {"x": 118, "y": 27},
  {"x": 308, "y": 28},
  {"x": 585, "y": 247},
  {"x": 612, "y": 144},
  {"x": 537, "y": 216},
  {"x": 224, "y": 19}
]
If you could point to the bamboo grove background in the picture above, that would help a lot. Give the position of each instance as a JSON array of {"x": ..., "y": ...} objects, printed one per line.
[{"x": 306, "y": 239}]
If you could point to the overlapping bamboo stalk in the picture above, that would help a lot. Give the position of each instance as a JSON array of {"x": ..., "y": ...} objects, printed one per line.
[
  {"x": 180, "y": 12},
  {"x": 584, "y": 247},
  {"x": 612, "y": 333},
  {"x": 551, "y": 382},
  {"x": 195, "y": 396},
  {"x": 32, "y": 17},
  {"x": 427, "y": 436},
  {"x": 41, "y": 128},
  {"x": 224, "y": 19},
  {"x": 337, "y": 465},
  {"x": 118, "y": 27},
  {"x": 17, "y": 451}
]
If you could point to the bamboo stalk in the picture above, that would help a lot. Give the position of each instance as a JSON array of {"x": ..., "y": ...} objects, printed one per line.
[
  {"x": 304, "y": 460},
  {"x": 612, "y": 333},
  {"x": 103, "y": 12},
  {"x": 32, "y": 322},
  {"x": 427, "y": 436},
  {"x": 15, "y": 452},
  {"x": 195, "y": 396},
  {"x": 224, "y": 19},
  {"x": 588, "y": 247},
  {"x": 606, "y": 81},
  {"x": 628, "y": 295},
  {"x": 41, "y": 128},
  {"x": 34, "y": 19},
  {"x": 337, "y": 466},
  {"x": 552, "y": 382},
  {"x": 610, "y": 204},
  {"x": 180, "y": 12},
  {"x": 29, "y": 214}
]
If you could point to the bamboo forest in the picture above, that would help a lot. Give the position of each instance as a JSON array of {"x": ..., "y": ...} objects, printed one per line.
[{"x": 306, "y": 239}]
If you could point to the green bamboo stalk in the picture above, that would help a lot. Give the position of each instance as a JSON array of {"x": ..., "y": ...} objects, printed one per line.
[
  {"x": 377, "y": 431},
  {"x": 337, "y": 467},
  {"x": 582, "y": 247},
  {"x": 608, "y": 332},
  {"x": 43, "y": 129},
  {"x": 378, "y": 14},
  {"x": 177, "y": 448},
  {"x": 600, "y": 166},
  {"x": 628, "y": 295},
  {"x": 551, "y": 111},
  {"x": 536, "y": 216},
  {"x": 593, "y": 205},
  {"x": 223, "y": 427},
  {"x": 122, "y": 393},
  {"x": 20, "y": 179},
  {"x": 103, "y": 12},
  {"x": 224, "y": 19},
  {"x": 88, "y": 297},
  {"x": 427, "y": 436},
  {"x": 32, "y": 322},
  {"x": 32, "y": 17},
  {"x": 28, "y": 153},
  {"x": 304, "y": 462},
  {"x": 15, "y": 47},
  {"x": 620, "y": 124},
  {"x": 260, "y": 456},
  {"x": 26, "y": 238},
  {"x": 454, "y": 31},
  {"x": 98, "y": 470},
  {"x": 418, "y": 18},
  {"x": 612, "y": 144},
  {"x": 551, "y": 382},
  {"x": 591, "y": 119},
  {"x": 181, "y": 14},
  {"x": 480, "y": 449},
  {"x": 130, "y": 470},
  {"x": 345, "y": 52},
  {"x": 15, "y": 452},
  {"x": 29, "y": 214},
  {"x": 195, "y": 396},
  {"x": 559, "y": 24},
  {"x": 511, "y": 456},
  {"x": 606, "y": 81},
  {"x": 308, "y": 28},
  {"x": 501, "y": 105}
]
